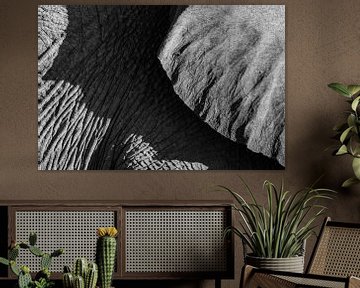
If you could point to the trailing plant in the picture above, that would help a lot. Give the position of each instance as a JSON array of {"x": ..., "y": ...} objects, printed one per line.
[
  {"x": 84, "y": 275},
  {"x": 279, "y": 229},
  {"x": 106, "y": 254},
  {"x": 348, "y": 133},
  {"x": 42, "y": 278}
]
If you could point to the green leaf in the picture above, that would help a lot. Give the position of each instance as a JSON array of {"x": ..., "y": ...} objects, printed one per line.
[
  {"x": 356, "y": 167},
  {"x": 354, "y": 145},
  {"x": 349, "y": 182},
  {"x": 342, "y": 150},
  {"x": 351, "y": 120},
  {"x": 355, "y": 103},
  {"x": 340, "y": 88},
  {"x": 353, "y": 89},
  {"x": 345, "y": 134}
]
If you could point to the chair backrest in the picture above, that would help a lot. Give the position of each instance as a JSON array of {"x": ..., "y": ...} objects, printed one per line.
[{"x": 337, "y": 251}]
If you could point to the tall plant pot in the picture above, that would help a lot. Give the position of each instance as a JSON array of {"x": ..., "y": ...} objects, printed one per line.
[{"x": 291, "y": 264}]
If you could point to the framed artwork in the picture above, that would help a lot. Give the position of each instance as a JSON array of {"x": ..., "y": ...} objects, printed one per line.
[{"x": 161, "y": 87}]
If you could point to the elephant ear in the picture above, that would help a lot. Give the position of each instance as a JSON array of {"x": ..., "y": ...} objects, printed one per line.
[{"x": 227, "y": 63}]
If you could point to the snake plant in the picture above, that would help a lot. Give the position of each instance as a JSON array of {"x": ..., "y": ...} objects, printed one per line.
[
  {"x": 279, "y": 228},
  {"x": 348, "y": 133}
]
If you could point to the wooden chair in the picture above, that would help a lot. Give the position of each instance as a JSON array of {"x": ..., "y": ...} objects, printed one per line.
[{"x": 334, "y": 263}]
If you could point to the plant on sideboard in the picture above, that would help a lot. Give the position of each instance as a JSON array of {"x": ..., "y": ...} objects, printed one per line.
[
  {"x": 275, "y": 233},
  {"x": 84, "y": 275},
  {"x": 42, "y": 278},
  {"x": 106, "y": 254},
  {"x": 348, "y": 132}
]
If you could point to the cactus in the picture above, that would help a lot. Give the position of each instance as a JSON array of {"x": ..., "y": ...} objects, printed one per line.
[
  {"x": 13, "y": 253},
  {"x": 24, "y": 278},
  {"x": 79, "y": 282},
  {"x": 87, "y": 272},
  {"x": 14, "y": 268},
  {"x": 36, "y": 251},
  {"x": 80, "y": 267},
  {"x": 45, "y": 261},
  {"x": 91, "y": 276},
  {"x": 57, "y": 253},
  {"x": 68, "y": 280},
  {"x": 44, "y": 273},
  {"x": 105, "y": 254},
  {"x": 24, "y": 246},
  {"x": 32, "y": 238},
  {"x": 67, "y": 269}
]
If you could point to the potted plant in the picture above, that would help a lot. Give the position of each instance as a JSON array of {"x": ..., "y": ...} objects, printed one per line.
[
  {"x": 42, "y": 278},
  {"x": 276, "y": 233},
  {"x": 106, "y": 254},
  {"x": 348, "y": 133},
  {"x": 84, "y": 274}
]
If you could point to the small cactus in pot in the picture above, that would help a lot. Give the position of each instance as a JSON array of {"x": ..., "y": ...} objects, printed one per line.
[
  {"x": 106, "y": 254},
  {"x": 85, "y": 275},
  {"x": 42, "y": 278}
]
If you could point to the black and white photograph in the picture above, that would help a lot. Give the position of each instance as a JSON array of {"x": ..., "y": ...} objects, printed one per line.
[{"x": 161, "y": 87}]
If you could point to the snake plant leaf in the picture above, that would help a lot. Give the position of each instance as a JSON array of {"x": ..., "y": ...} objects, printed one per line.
[
  {"x": 353, "y": 89},
  {"x": 345, "y": 134},
  {"x": 355, "y": 103},
  {"x": 349, "y": 182},
  {"x": 340, "y": 88},
  {"x": 356, "y": 167},
  {"x": 342, "y": 150}
]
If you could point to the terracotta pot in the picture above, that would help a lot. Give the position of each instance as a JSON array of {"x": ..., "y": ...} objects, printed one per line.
[{"x": 291, "y": 264}]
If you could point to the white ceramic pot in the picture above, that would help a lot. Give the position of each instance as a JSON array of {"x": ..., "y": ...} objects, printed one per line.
[{"x": 291, "y": 264}]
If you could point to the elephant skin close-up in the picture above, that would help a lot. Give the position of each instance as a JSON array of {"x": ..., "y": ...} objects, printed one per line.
[{"x": 161, "y": 87}]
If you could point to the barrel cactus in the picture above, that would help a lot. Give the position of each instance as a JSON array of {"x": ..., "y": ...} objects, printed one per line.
[{"x": 106, "y": 254}]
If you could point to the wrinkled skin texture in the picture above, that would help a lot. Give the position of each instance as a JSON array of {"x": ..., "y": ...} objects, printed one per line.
[
  {"x": 105, "y": 101},
  {"x": 238, "y": 83}
]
